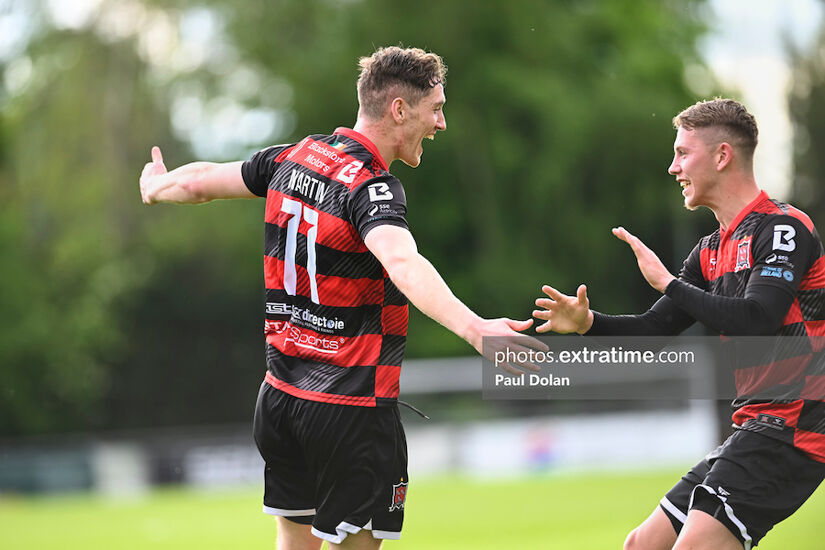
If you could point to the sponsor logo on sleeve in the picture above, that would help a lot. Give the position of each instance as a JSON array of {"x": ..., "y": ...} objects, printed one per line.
[
  {"x": 777, "y": 272},
  {"x": 783, "y": 238},
  {"x": 379, "y": 192}
]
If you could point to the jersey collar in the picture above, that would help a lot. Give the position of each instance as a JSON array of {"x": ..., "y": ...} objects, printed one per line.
[
  {"x": 762, "y": 196},
  {"x": 364, "y": 140}
]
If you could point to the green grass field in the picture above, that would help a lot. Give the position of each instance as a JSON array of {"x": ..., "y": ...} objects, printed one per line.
[{"x": 566, "y": 512}]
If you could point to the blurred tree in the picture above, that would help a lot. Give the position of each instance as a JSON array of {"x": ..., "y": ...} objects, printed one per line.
[
  {"x": 807, "y": 108},
  {"x": 107, "y": 309}
]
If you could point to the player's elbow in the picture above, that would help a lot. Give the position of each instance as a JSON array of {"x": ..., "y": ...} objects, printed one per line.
[{"x": 402, "y": 268}]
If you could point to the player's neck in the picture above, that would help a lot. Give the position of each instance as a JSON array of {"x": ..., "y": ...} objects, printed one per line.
[
  {"x": 377, "y": 133},
  {"x": 735, "y": 197}
]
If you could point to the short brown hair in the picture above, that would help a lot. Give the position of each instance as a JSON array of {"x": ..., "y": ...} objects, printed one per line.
[
  {"x": 736, "y": 125},
  {"x": 409, "y": 73}
]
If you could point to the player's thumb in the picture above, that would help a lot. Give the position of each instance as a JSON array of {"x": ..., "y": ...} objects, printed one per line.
[
  {"x": 157, "y": 157},
  {"x": 519, "y": 325},
  {"x": 581, "y": 294}
]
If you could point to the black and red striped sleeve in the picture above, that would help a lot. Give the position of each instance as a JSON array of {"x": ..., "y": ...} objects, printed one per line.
[
  {"x": 257, "y": 172},
  {"x": 783, "y": 251},
  {"x": 378, "y": 201}
]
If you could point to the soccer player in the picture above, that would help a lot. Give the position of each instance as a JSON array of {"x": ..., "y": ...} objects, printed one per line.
[
  {"x": 761, "y": 273},
  {"x": 339, "y": 267}
]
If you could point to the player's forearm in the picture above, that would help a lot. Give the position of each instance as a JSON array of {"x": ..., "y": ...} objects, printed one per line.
[
  {"x": 416, "y": 277},
  {"x": 759, "y": 313},
  {"x": 663, "y": 319},
  {"x": 184, "y": 185}
]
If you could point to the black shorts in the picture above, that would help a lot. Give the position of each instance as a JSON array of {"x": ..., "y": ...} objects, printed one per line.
[
  {"x": 340, "y": 468},
  {"x": 750, "y": 483}
]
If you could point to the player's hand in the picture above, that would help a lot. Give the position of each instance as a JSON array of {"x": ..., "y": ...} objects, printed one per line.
[
  {"x": 502, "y": 336},
  {"x": 151, "y": 180},
  {"x": 564, "y": 314},
  {"x": 650, "y": 265}
]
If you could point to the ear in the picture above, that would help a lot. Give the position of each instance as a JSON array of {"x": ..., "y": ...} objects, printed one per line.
[
  {"x": 398, "y": 110},
  {"x": 723, "y": 155}
]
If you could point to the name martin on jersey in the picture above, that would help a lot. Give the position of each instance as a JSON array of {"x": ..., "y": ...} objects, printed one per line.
[{"x": 306, "y": 185}]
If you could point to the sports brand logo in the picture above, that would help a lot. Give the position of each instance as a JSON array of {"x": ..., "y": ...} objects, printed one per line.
[
  {"x": 770, "y": 421},
  {"x": 743, "y": 256},
  {"x": 379, "y": 192},
  {"x": 399, "y": 496},
  {"x": 783, "y": 237}
]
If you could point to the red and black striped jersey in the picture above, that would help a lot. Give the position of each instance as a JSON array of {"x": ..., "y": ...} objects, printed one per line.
[
  {"x": 335, "y": 323},
  {"x": 764, "y": 275},
  {"x": 773, "y": 244}
]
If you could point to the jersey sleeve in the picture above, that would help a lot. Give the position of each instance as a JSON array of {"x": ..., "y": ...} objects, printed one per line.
[
  {"x": 378, "y": 201},
  {"x": 782, "y": 249},
  {"x": 258, "y": 170}
]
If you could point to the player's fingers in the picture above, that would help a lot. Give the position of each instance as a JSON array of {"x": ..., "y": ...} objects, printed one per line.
[
  {"x": 546, "y": 303},
  {"x": 581, "y": 295},
  {"x": 543, "y": 314},
  {"x": 157, "y": 157},
  {"x": 147, "y": 170},
  {"x": 624, "y": 235},
  {"x": 552, "y": 292},
  {"x": 541, "y": 329},
  {"x": 519, "y": 356},
  {"x": 636, "y": 245}
]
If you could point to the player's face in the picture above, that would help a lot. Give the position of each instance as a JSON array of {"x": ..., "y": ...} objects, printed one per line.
[
  {"x": 424, "y": 121},
  {"x": 694, "y": 168}
]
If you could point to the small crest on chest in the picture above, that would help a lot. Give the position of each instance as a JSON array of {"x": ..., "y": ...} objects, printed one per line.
[{"x": 743, "y": 255}]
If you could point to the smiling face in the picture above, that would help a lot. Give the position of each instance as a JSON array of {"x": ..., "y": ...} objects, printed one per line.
[
  {"x": 421, "y": 121},
  {"x": 695, "y": 167}
]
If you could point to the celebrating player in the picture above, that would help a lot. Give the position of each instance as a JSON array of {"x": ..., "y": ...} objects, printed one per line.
[
  {"x": 339, "y": 267},
  {"x": 761, "y": 273}
]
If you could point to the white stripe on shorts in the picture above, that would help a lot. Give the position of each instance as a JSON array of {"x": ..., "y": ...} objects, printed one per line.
[
  {"x": 345, "y": 529},
  {"x": 288, "y": 513},
  {"x": 748, "y": 541},
  {"x": 670, "y": 507}
]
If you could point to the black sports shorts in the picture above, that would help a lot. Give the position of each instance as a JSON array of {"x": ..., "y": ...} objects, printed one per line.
[
  {"x": 750, "y": 483},
  {"x": 340, "y": 468}
]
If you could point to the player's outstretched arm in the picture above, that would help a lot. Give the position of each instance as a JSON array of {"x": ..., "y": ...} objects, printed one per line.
[
  {"x": 192, "y": 183},
  {"x": 564, "y": 314},
  {"x": 416, "y": 277}
]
